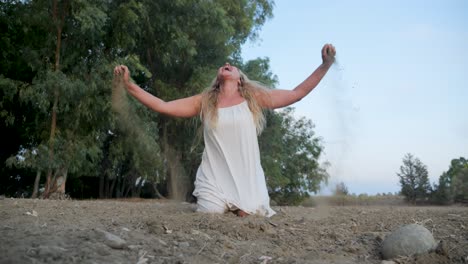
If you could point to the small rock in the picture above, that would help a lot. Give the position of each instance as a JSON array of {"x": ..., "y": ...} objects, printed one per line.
[
  {"x": 228, "y": 244},
  {"x": 134, "y": 247},
  {"x": 102, "y": 250},
  {"x": 265, "y": 259},
  {"x": 387, "y": 262},
  {"x": 162, "y": 242},
  {"x": 408, "y": 240},
  {"x": 46, "y": 251},
  {"x": 2, "y": 197},
  {"x": 33, "y": 213},
  {"x": 113, "y": 241},
  {"x": 184, "y": 244},
  {"x": 198, "y": 232}
]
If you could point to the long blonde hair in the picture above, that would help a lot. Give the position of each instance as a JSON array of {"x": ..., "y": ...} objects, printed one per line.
[{"x": 249, "y": 90}]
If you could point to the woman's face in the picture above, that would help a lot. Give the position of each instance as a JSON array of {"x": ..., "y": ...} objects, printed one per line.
[{"x": 228, "y": 72}]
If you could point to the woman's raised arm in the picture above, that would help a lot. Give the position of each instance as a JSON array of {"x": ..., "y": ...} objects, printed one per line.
[
  {"x": 185, "y": 107},
  {"x": 280, "y": 98}
]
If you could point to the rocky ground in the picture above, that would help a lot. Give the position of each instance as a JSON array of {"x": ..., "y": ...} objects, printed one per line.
[{"x": 155, "y": 231}]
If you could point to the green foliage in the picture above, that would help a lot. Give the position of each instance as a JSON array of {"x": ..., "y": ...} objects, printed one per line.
[
  {"x": 460, "y": 185},
  {"x": 414, "y": 179},
  {"x": 80, "y": 84},
  {"x": 342, "y": 189},
  {"x": 259, "y": 70},
  {"x": 183, "y": 52},
  {"x": 59, "y": 62},
  {"x": 453, "y": 184},
  {"x": 443, "y": 193},
  {"x": 170, "y": 53},
  {"x": 290, "y": 152}
]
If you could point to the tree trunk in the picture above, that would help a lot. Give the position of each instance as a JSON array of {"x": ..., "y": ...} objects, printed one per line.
[
  {"x": 57, "y": 184},
  {"x": 101, "y": 186},
  {"x": 61, "y": 181},
  {"x": 177, "y": 179},
  {"x": 156, "y": 191},
  {"x": 127, "y": 190},
  {"x": 53, "y": 126},
  {"x": 128, "y": 184},
  {"x": 110, "y": 193},
  {"x": 136, "y": 192},
  {"x": 36, "y": 184},
  {"x": 53, "y": 123},
  {"x": 122, "y": 187},
  {"x": 107, "y": 187},
  {"x": 117, "y": 188}
]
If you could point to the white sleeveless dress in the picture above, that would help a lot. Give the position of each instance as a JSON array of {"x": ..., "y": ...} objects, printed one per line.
[{"x": 230, "y": 176}]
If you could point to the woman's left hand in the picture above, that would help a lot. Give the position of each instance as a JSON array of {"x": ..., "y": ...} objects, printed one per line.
[{"x": 328, "y": 54}]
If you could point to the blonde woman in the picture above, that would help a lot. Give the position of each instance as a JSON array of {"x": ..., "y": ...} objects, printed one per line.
[{"x": 230, "y": 176}]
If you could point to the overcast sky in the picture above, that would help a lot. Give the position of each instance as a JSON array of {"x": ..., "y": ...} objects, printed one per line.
[{"x": 400, "y": 85}]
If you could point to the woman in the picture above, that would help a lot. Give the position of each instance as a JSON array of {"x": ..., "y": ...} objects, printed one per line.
[{"x": 230, "y": 177}]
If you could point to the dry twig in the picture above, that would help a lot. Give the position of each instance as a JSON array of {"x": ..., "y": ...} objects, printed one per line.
[{"x": 199, "y": 251}]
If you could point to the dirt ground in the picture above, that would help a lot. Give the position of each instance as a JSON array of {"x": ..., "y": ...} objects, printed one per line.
[{"x": 155, "y": 231}]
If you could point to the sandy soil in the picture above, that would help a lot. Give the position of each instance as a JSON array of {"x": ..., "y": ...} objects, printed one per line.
[{"x": 153, "y": 231}]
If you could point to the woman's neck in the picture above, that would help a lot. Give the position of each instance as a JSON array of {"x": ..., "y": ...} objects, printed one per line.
[
  {"x": 229, "y": 95},
  {"x": 229, "y": 89}
]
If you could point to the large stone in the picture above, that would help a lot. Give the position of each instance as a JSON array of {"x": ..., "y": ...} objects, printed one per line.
[{"x": 408, "y": 240}]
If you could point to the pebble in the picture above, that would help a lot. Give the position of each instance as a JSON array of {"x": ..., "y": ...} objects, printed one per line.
[
  {"x": 102, "y": 251},
  {"x": 184, "y": 244},
  {"x": 162, "y": 242},
  {"x": 113, "y": 241}
]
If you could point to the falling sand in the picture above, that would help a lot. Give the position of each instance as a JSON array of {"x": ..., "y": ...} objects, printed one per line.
[
  {"x": 134, "y": 128},
  {"x": 344, "y": 124}
]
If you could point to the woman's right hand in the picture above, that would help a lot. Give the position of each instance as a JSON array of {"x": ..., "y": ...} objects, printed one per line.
[{"x": 122, "y": 70}]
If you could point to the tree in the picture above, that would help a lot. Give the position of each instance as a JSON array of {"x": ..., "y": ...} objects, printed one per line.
[
  {"x": 442, "y": 191},
  {"x": 414, "y": 179},
  {"x": 340, "y": 193},
  {"x": 341, "y": 189},
  {"x": 57, "y": 58},
  {"x": 182, "y": 53},
  {"x": 290, "y": 152},
  {"x": 55, "y": 87},
  {"x": 67, "y": 50},
  {"x": 16, "y": 121},
  {"x": 460, "y": 184},
  {"x": 453, "y": 184}
]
